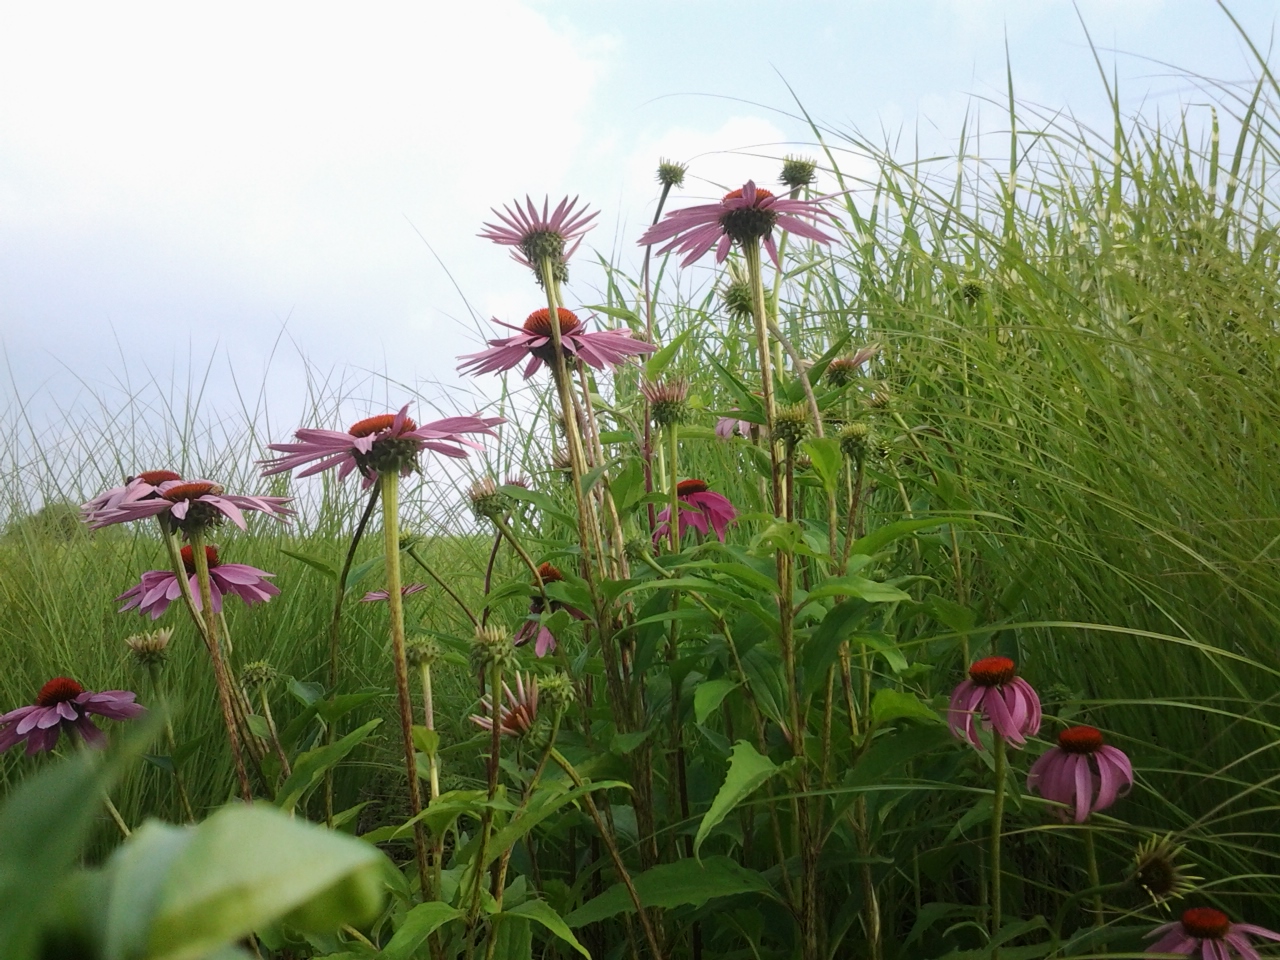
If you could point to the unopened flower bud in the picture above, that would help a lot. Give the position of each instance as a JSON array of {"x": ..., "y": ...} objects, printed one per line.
[
  {"x": 798, "y": 172},
  {"x": 487, "y": 501},
  {"x": 557, "y": 691},
  {"x": 671, "y": 174},
  {"x": 146, "y": 649},
  {"x": 879, "y": 397},
  {"x": 409, "y": 539},
  {"x": 636, "y": 549},
  {"x": 791, "y": 425},
  {"x": 667, "y": 401},
  {"x": 973, "y": 290},
  {"x": 259, "y": 673},
  {"x": 421, "y": 652},
  {"x": 1156, "y": 870},
  {"x": 492, "y": 646},
  {"x": 854, "y": 439}
]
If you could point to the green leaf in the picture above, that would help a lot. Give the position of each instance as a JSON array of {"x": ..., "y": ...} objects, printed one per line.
[
  {"x": 419, "y": 923},
  {"x": 828, "y": 461},
  {"x": 138, "y": 872},
  {"x": 315, "y": 563},
  {"x": 544, "y": 805},
  {"x": 747, "y": 771},
  {"x": 885, "y": 535},
  {"x": 589, "y": 479},
  {"x": 627, "y": 486},
  {"x": 872, "y": 591},
  {"x": 307, "y": 692},
  {"x": 427, "y": 741},
  {"x": 540, "y": 912},
  {"x": 655, "y": 365},
  {"x": 362, "y": 570},
  {"x": 618, "y": 313},
  {"x": 888, "y": 705},
  {"x": 335, "y": 708},
  {"x": 820, "y": 650},
  {"x": 624, "y": 743},
  {"x": 683, "y": 883},
  {"x": 310, "y": 767},
  {"x": 249, "y": 865},
  {"x": 258, "y": 726},
  {"x": 708, "y": 696}
]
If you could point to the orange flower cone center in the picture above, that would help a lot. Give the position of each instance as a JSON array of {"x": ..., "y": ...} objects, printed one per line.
[
  {"x": 685, "y": 487},
  {"x": 383, "y": 421},
  {"x": 191, "y": 491},
  {"x": 58, "y": 690},
  {"x": 157, "y": 477},
  {"x": 538, "y": 323},
  {"x": 549, "y": 573},
  {"x": 1080, "y": 740},
  {"x": 1206, "y": 923},
  {"x": 761, "y": 194},
  {"x": 992, "y": 671},
  {"x": 189, "y": 560}
]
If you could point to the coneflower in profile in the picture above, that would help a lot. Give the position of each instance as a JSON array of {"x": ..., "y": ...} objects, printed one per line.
[
  {"x": 519, "y": 711},
  {"x": 144, "y": 486},
  {"x": 187, "y": 505},
  {"x": 1210, "y": 932},
  {"x": 995, "y": 696},
  {"x": 159, "y": 588},
  {"x": 1081, "y": 772},
  {"x": 703, "y": 509},
  {"x": 600, "y": 349},
  {"x": 62, "y": 704}
]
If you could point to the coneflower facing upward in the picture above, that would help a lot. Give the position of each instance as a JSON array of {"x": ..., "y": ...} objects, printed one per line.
[
  {"x": 742, "y": 216},
  {"x": 599, "y": 349},
  {"x": 1212, "y": 933}
]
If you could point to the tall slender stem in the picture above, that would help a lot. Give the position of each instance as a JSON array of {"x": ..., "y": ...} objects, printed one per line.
[
  {"x": 1091, "y": 862},
  {"x": 220, "y": 677},
  {"x": 391, "y": 546},
  {"x": 162, "y": 700},
  {"x": 997, "y": 832}
]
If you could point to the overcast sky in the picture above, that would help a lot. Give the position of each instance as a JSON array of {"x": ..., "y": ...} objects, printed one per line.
[{"x": 184, "y": 181}]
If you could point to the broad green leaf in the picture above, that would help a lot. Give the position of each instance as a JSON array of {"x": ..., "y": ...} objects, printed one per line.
[
  {"x": 627, "y": 486},
  {"x": 708, "y": 696},
  {"x": 823, "y": 645},
  {"x": 335, "y": 708},
  {"x": 589, "y": 479},
  {"x": 427, "y": 741},
  {"x": 137, "y": 873},
  {"x": 618, "y": 313},
  {"x": 362, "y": 570},
  {"x": 888, "y": 705},
  {"x": 307, "y": 692},
  {"x": 42, "y": 827},
  {"x": 419, "y": 923},
  {"x": 540, "y": 912},
  {"x": 683, "y": 883},
  {"x": 885, "y": 535},
  {"x": 872, "y": 591},
  {"x": 624, "y": 743},
  {"x": 828, "y": 461},
  {"x": 315, "y": 563},
  {"x": 249, "y": 865},
  {"x": 656, "y": 364},
  {"x": 258, "y": 726},
  {"x": 544, "y": 804},
  {"x": 747, "y": 771},
  {"x": 310, "y": 767}
]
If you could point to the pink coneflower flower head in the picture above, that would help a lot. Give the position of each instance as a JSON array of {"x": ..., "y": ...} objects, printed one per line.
[
  {"x": 726, "y": 427},
  {"x": 519, "y": 710},
  {"x": 1005, "y": 703},
  {"x": 533, "y": 627},
  {"x": 599, "y": 349},
  {"x": 145, "y": 485},
  {"x": 541, "y": 236},
  {"x": 702, "y": 508},
  {"x": 62, "y": 704},
  {"x": 1212, "y": 933},
  {"x": 373, "y": 596},
  {"x": 743, "y": 216},
  {"x": 1082, "y": 772},
  {"x": 379, "y": 444},
  {"x": 159, "y": 588},
  {"x": 188, "y": 505}
]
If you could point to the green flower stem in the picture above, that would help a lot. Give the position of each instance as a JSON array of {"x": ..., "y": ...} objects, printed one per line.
[
  {"x": 276, "y": 745},
  {"x": 413, "y": 553},
  {"x": 997, "y": 832},
  {"x": 433, "y": 771},
  {"x": 390, "y": 483},
  {"x": 486, "y": 819},
  {"x": 223, "y": 682},
  {"x": 673, "y": 445},
  {"x": 612, "y": 846},
  {"x": 162, "y": 700},
  {"x": 1097, "y": 891},
  {"x": 1091, "y": 862},
  {"x": 618, "y": 555}
]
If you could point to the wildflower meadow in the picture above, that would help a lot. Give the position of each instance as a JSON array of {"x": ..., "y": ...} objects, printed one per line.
[{"x": 876, "y": 566}]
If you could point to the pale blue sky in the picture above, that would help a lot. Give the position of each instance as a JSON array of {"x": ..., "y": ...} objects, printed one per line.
[{"x": 188, "y": 181}]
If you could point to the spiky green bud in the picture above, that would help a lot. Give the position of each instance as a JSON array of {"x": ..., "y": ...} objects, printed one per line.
[
  {"x": 421, "y": 652},
  {"x": 487, "y": 501},
  {"x": 492, "y": 646},
  {"x": 259, "y": 673},
  {"x": 557, "y": 692},
  {"x": 791, "y": 425},
  {"x": 798, "y": 172},
  {"x": 671, "y": 174}
]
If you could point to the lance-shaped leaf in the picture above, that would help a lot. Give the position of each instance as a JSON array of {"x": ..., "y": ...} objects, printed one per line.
[{"x": 747, "y": 771}]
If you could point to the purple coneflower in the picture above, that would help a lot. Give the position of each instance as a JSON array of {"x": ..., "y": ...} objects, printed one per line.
[
  {"x": 744, "y": 215},
  {"x": 373, "y": 596},
  {"x": 1212, "y": 933},
  {"x": 701, "y": 508},
  {"x": 62, "y": 704},
  {"x": 603, "y": 348},
  {"x": 519, "y": 710},
  {"x": 143, "y": 486},
  {"x": 546, "y": 640},
  {"x": 192, "y": 504},
  {"x": 541, "y": 236},
  {"x": 159, "y": 588},
  {"x": 727, "y": 426},
  {"x": 1064, "y": 773},
  {"x": 376, "y": 444},
  {"x": 1005, "y": 703}
]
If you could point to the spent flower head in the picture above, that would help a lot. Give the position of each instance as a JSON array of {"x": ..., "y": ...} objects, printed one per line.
[
  {"x": 519, "y": 712},
  {"x": 487, "y": 500},
  {"x": 147, "y": 649},
  {"x": 422, "y": 652},
  {"x": 1157, "y": 872},
  {"x": 972, "y": 290},
  {"x": 258, "y": 673}
]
